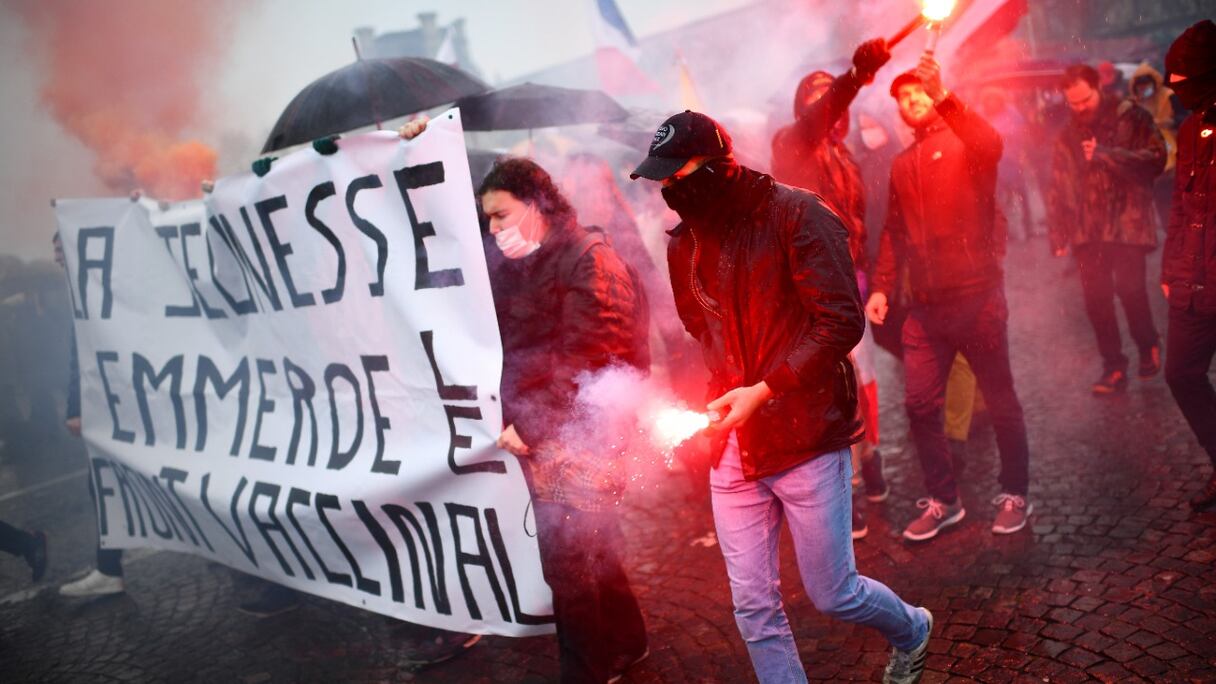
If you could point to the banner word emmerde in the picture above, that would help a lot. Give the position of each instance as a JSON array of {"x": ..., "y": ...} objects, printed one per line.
[{"x": 298, "y": 377}]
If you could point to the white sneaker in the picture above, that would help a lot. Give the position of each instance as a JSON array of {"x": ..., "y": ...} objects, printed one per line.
[{"x": 96, "y": 583}]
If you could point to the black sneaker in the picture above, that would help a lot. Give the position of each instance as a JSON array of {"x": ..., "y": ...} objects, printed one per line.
[
  {"x": 274, "y": 600},
  {"x": 1150, "y": 363},
  {"x": 1110, "y": 383},
  {"x": 876, "y": 486},
  {"x": 35, "y": 556}
]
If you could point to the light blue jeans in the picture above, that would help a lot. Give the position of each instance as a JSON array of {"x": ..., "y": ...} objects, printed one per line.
[{"x": 816, "y": 499}]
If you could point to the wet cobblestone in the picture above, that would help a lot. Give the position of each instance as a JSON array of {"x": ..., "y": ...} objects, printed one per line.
[{"x": 1114, "y": 580}]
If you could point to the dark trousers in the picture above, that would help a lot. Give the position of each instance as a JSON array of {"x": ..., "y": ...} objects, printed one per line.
[
  {"x": 15, "y": 540},
  {"x": 109, "y": 561},
  {"x": 1107, "y": 270},
  {"x": 1190, "y": 346},
  {"x": 973, "y": 325},
  {"x": 599, "y": 625}
]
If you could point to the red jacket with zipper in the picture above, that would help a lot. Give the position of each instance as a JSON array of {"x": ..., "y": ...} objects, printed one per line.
[{"x": 942, "y": 220}]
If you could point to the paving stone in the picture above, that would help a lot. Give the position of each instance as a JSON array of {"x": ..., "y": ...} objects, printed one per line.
[{"x": 1111, "y": 581}]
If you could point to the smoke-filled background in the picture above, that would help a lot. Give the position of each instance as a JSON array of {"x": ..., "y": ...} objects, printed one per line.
[{"x": 104, "y": 98}]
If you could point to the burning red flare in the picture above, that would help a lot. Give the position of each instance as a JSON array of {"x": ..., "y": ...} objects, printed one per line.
[
  {"x": 123, "y": 78},
  {"x": 671, "y": 427},
  {"x": 937, "y": 10}
]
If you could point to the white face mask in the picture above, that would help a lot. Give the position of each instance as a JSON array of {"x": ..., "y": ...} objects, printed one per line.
[
  {"x": 873, "y": 137},
  {"x": 512, "y": 243}
]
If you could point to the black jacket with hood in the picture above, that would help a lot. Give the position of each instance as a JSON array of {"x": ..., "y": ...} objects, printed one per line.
[{"x": 782, "y": 306}]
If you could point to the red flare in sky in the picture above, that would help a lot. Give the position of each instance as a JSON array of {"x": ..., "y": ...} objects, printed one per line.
[{"x": 124, "y": 78}]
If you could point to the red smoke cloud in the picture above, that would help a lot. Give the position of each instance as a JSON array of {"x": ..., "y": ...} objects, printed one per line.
[{"x": 124, "y": 77}]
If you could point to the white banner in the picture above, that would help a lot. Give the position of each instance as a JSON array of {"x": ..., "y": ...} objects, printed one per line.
[{"x": 299, "y": 379}]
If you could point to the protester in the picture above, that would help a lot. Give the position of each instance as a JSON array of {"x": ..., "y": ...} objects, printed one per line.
[
  {"x": 944, "y": 225},
  {"x": 1188, "y": 265},
  {"x": 567, "y": 305},
  {"x": 1148, "y": 90},
  {"x": 1012, "y": 190},
  {"x": 811, "y": 154},
  {"x": 29, "y": 544},
  {"x": 1101, "y": 207},
  {"x": 106, "y": 577},
  {"x": 1110, "y": 79},
  {"x": 762, "y": 277}
]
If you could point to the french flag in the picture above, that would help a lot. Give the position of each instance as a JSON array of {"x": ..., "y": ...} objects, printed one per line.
[{"x": 617, "y": 51}]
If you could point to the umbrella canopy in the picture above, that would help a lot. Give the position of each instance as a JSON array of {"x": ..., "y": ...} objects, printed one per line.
[
  {"x": 367, "y": 92},
  {"x": 537, "y": 106}
]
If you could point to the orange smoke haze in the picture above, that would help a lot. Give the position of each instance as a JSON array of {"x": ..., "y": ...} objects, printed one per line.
[{"x": 124, "y": 77}]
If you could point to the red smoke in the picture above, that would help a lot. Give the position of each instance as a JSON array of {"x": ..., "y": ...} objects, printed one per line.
[{"x": 124, "y": 77}]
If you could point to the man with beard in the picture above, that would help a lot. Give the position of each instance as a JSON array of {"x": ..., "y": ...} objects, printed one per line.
[
  {"x": 762, "y": 278},
  {"x": 1188, "y": 265},
  {"x": 1101, "y": 206},
  {"x": 943, "y": 224},
  {"x": 810, "y": 153}
]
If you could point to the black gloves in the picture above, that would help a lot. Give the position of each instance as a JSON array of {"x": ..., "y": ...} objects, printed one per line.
[{"x": 869, "y": 58}]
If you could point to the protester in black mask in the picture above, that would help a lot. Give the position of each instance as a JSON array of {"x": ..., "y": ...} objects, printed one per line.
[
  {"x": 1188, "y": 264},
  {"x": 763, "y": 279}
]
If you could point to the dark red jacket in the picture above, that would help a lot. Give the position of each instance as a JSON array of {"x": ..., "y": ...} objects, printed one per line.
[
  {"x": 1108, "y": 199},
  {"x": 807, "y": 154},
  {"x": 568, "y": 308},
  {"x": 787, "y": 311},
  {"x": 942, "y": 220},
  {"x": 1188, "y": 263}
]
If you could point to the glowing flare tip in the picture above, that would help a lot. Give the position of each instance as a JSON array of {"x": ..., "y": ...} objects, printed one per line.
[
  {"x": 937, "y": 10},
  {"x": 673, "y": 426}
]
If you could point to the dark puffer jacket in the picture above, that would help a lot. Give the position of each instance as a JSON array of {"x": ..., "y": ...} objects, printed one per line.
[
  {"x": 568, "y": 308},
  {"x": 942, "y": 219},
  {"x": 1108, "y": 199},
  {"x": 807, "y": 154},
  {"x": 787, "y": 311},
  {"x": 1188, "y": 263}
]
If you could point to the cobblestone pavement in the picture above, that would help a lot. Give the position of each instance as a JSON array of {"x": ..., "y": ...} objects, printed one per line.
[{"x": 1113, "y": 582}]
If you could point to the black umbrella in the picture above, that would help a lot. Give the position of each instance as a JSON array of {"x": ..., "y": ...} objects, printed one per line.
[
  {"x": 537, "y": 106},
  {"x": 366, "y": 92}
]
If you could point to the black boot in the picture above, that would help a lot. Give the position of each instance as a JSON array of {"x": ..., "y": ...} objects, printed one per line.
[{"x": 876, "y": 486}]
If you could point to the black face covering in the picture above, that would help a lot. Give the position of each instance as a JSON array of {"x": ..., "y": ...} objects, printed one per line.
[
  {"x": 703, "y": 192},
  {"x": 1196, "y": 93}
]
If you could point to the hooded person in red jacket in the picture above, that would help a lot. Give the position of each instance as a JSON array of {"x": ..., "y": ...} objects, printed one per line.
[
  {"x": 762, "y": 278},
  {"x": 810, "y": 153},
  {"x": 943, "y": 224},
  {"x": 1188, "y": 264}
]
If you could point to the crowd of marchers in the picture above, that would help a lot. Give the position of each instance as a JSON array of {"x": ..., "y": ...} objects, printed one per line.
[{"x": 770, "y": 276}]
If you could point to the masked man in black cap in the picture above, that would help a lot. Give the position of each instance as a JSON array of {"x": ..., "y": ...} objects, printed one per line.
[
  {"x": 762, "y": 277},
  {"x": 1188, "y": 265}
]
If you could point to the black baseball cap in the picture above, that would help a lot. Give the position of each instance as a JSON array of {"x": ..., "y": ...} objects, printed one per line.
[{"x": 680, "y": 138}]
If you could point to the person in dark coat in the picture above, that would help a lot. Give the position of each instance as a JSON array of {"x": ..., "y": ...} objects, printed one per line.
[
  {"x": 567, "y": 305},
  {"x": 762, "y": 278},
  {"x": 943, "y": 224},
  {"x": 1188, "y": 264},
  {"x": 811, "y": 154},
  {"x": 1100, "y": 205}
]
